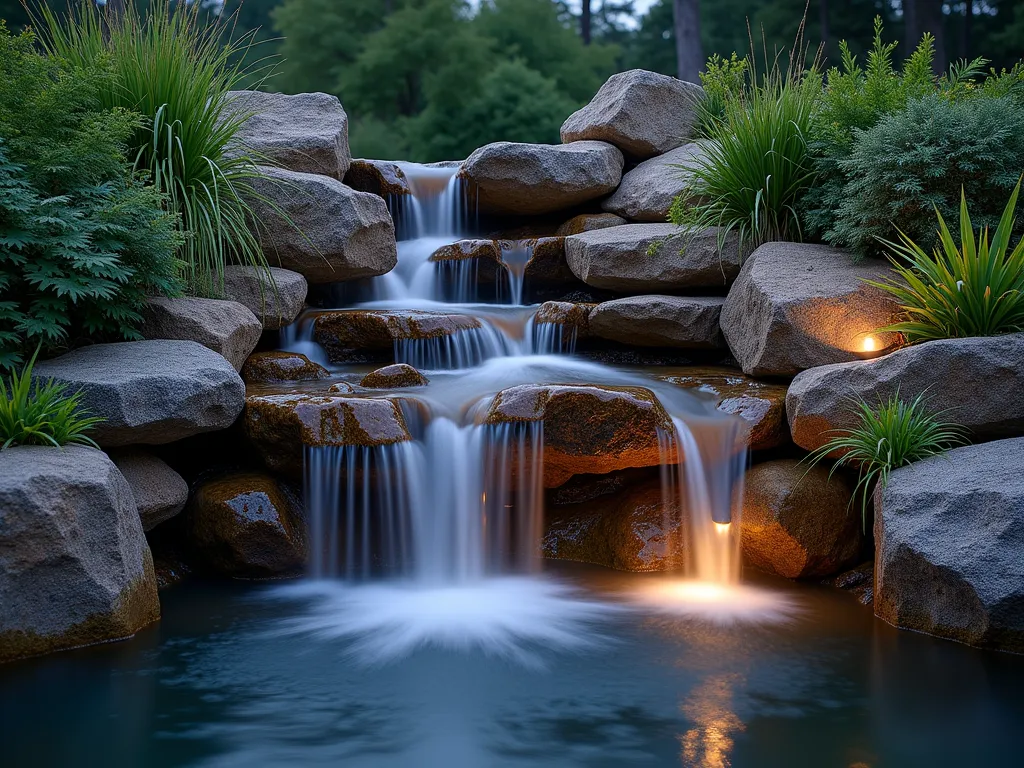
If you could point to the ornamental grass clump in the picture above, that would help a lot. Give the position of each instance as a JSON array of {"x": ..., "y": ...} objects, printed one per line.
[
  {"x": 892, "y": 435},
  {"x": 42, "y": 413},
  {"x": 971, "y": 288},
  {"x": 174, "y": 68}
]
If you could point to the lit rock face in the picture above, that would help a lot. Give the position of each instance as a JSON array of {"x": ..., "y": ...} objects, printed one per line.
[
  {"x": 506, "y": 178},
  {"x": 949, "y": 533},
  {"x": 75, "y": 568},
  {"x": 797, "y": 522},
  {"x": 587, "y": 429},
  {"x": 343, "y": 333},
  {"x": 394, "y": 377},
  {"x": 642, "y": 113},
  {"x": 275, "y": 304},
  {"x": 247, "y": 525},
  {"x": 280, "y": 426},
  {"x": 380, "y": 177},
  {"x": 660, "y": 321},
  {"x": 630, "y": 530},
  {"x": 152, "y": 392},
  {"x": 646, "y": 192},
  {"x": 334, "y": 232},
  {"x": 226, "y": 327},
  {"x": 281, "y": 366},
  {"x": 978, "y": 382},
  {"x": 760, "y": 404},
  {"x": 160, "y": 493},
  {"x": 307, "y": 132},
  {"x": 796, "y": 306},
  {"x": 586, "y": 222},
  {"x": 652, "y": 258}
]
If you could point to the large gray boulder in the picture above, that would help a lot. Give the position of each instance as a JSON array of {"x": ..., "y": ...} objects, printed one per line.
[
  {"x": 949, "y": 538},
  {"x": 797, "y": 306},
  {"x": 226, "y": 327},
  {"x": 507, "y": 178},
  {"x": 276, "y": 299},
  {"x": 328, "y": 232},
  {"x": 646, "y": 192},
  {"x": 159, "y": 492},
  {"x": 75, "y": 568},
  {"x": 652, "y": 258},
  {"x": 307, "y": 132},
  {"x": 642, "y": 113},
  {"x": 150, "y": 391},
  {"x": 977, "y": 382},
  {"x": 660, "y": 321}
]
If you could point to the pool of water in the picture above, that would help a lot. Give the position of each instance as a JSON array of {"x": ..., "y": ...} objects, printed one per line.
[{"x": 248, "y": 674}]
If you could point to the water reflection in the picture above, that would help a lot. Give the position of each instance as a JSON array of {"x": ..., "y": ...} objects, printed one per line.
[{"x": 710, "y": 708}]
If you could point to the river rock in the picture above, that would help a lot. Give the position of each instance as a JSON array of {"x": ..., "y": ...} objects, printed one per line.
[
  {"x": 647, "y": 192},
  {"x": 949, "y": 534},
  {"x": 246, "y": 525},
  {"x": 572, "y": 319},
  {"x": 281, "y": 426},
  {"x": 587, "y": 429},
  {"x": 226, "y": 327},
  {"x": 642, "y": 113},
  {"x": 481, "y": 260},
  {"x": 306, "y": 132},
  {"x": 652, "y": 258},
  {"x": 281, "y": 366},
  {"x": 75, "y": 568},
  {"x": 276, "y": 299},
  {"x": 796, "y": 306},
  {"x": 379, "y": 177},
  {"x": 345, "y": 332},
  {"x": 506, "y": 178},
  {"x": 761, "y": 404},
  {"x": 633, "y": 530},
  {"x": 160, "y": 493},
  {"x": 334, "y": 232},
  {"x": 586, "y": 222},
  {"x": 977, "y": 382},
  {"x": 660, "y": 321},
  {"x": 547, "y": 269},
  {"x": 797, "y": 522},
  {"x": 394, "y": 377},
  {"x": 150, "y": 391}
]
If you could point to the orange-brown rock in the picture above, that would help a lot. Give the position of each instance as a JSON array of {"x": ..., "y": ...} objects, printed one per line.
[
  {"x": 394, "y": 377},
  {"x": 797, "y": 522},
  {"x": 547, "y": 263},
  {"x": 381, "y": 177},
  {"x": 587, "y": 429},
  {"x": 485, "y": 256},
  {"x": 585, "y": 222},
  {"x": 573, "y": 318},
  {"x": 632, "y": 530},
  {"x": 281, "y": 366},
  {"x": 279, "y": 426},
  {"x": 346, "y": 332},
  {"x": 246, "y": 525},
  {"x": 762, "y": 405}
]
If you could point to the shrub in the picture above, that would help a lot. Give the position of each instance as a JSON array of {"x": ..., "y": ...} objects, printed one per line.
[
  {"x": 894, "y": 434},
  {"x": 82, "y": 241},
  {"x": 175, "y": 70},
  {"x": 41, "y": 413},
  {"x": 974, "y": 289},
  {"x": 724, "y": 81}
]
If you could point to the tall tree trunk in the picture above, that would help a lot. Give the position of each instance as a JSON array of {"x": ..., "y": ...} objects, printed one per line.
[
  {"x": 922, "y": 16},
  {"x": 585, "y": 21},
  {"x": 689, "y": 53}
]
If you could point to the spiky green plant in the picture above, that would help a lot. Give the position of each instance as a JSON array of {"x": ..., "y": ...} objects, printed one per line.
[
  {"x": 42, "y": 413},
  {"x": 175, "y": 69},
  {"x": 894, "y": 434},
  {"x": 975, "y": 288}
]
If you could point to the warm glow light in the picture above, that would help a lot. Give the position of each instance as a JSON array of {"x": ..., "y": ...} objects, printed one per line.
[
  {"x": 715, "y": 602},
  {"x": 722, "y": 527},
  {"x": 869, "y": 344}
]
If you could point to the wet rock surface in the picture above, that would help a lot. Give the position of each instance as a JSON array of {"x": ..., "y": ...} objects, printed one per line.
[
  {"x": 642, "y": 113},
  {"x": 334, "y": 233},
  {"x": 949, "y": 532},
  {"x": 797, "y": 522},
  {"x": 75, "y": 568},
  {"x": 281, "y": 366},
  {"x": 160, "y": 493},
  {"x": 796, "y": 306},
  {"x": 276, "y": 299},
  {"x": 977, "y": 382},
  {"x": 227, "y": 327},
  {"x": 574, "y": 318},
  {"x": 647, "y": 191},
  {"x": 394, "y": 377},
  {"x": 652, "y": 258},
  {"x": 506, "y": 178},
  {"x": 379, "y": 177},
  {"x": 482, "y": 257},
  {"x": 345, "y": 332},
  {"x": 247, "y": 525},
  {"x": 660, "y": 321},
  {"x": 152, "y": 392}
]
